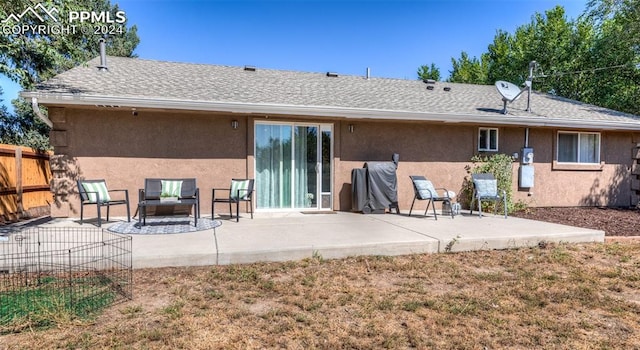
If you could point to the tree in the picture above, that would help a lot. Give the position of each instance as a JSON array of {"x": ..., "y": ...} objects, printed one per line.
[
  {"x": 470, "y": 71},
  {"x": 556, "y": 44},
  {"x": 625, "y": 11},
  {"x": 32, "y": 132},
  {"x": 21, "y": 127},
  {"x": 6, "y": 128},
  {"x": 29, "y": 57},
  {"x": 425, "y": 72},
  {"x": 617, "y": 46},
  {"x": 591, "y": 59}
]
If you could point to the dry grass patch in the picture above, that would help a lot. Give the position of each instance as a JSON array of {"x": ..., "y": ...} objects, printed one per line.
[{"x": 559, "y": 296}]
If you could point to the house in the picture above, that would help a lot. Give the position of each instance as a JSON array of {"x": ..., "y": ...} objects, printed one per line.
[{"x": 300, "y": 134}]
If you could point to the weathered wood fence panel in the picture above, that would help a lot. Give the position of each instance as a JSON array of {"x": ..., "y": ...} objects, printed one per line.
[{"x": 24, "y": 182}]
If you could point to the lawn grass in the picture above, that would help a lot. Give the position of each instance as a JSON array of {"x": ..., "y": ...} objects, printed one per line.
[
  {"x": 557, "y": 296},
  {"x": 52, "y": 301}
]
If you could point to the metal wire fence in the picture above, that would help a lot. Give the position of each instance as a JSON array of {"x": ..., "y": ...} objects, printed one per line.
[{"x": 58, "y": 271}]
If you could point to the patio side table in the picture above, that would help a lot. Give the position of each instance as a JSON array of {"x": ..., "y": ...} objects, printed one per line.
[{"x": 142, "y": 208}]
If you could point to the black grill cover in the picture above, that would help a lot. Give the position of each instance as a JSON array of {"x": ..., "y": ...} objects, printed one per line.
[
  {"x": 383, "y": 184},
  {"x": 374, "y": 188},
  {"x": 359, "y": 194}
]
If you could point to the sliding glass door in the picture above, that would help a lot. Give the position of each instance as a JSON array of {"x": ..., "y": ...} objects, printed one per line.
[{"x": 293, "y": 166}]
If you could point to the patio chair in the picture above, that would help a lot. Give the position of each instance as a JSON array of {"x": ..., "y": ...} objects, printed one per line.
[
  {"x": 241, "y": 190},
  {"x": 423, "y": 190},
  {"x": 485, "y": 188},
  {"x": 95, "y": 192}
]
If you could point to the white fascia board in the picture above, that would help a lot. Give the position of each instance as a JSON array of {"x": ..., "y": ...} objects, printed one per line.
[{"x": 327, "y": 111}]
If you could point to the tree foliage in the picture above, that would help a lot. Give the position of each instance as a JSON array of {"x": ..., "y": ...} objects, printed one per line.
[
  {"x": 429, "y": 72},
  {"x": 555, "y": 43},
  {"x": 4, "y": 113},
  {"x": 22, "y": 127},
  {"x": 470, "y": 71},
  {"x": 617, "y": 23},
  {"x": 29, "y": 57},
  {"x": 593, "y": 59}
]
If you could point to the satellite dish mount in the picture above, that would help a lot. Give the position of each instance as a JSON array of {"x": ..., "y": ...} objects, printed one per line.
[{"x": 510, "y": 92}]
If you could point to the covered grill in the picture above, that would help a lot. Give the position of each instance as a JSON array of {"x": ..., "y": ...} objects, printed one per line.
[{"x": 374, "y": 188}]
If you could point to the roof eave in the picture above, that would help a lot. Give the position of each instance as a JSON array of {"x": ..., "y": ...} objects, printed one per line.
[{"x": 324, "y": 111}]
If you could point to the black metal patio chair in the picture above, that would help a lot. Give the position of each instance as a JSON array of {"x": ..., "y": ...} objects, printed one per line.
[
  {"x": 95, "y": 192},
  {"x": 241, "y": 190}
]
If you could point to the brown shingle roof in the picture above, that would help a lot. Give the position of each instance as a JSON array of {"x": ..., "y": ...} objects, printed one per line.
[{"x": 138, "y": 79}]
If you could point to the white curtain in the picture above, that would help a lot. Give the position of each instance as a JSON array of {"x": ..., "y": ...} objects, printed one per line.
[
  {"x": 273, "y": 166},
  {"x": 286, "y": 158},
  {"x": 589, "y": 146}
]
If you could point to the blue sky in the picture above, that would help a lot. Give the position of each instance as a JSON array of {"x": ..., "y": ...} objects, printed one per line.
[{"x": 392, "y": 38}]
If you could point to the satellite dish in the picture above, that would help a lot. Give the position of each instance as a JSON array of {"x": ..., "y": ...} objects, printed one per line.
[{"x": 509, "y": 91}]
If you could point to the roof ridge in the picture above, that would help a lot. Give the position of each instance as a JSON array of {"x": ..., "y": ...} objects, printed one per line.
[{"x": 259, "y": 68}]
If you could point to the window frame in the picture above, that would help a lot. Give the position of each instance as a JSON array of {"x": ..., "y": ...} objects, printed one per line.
[
  {"x": 580, "y": 133},
  {"x": 487, "y": 147}
]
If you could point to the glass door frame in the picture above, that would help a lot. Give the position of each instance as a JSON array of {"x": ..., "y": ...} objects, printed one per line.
[{"x": 321, "y": 127}]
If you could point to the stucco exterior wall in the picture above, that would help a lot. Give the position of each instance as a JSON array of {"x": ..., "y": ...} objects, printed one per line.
[
  {"x": 442, "y": 151},
  {"x": 608, "y": 184},
  {"x": 124, "y": 149}
]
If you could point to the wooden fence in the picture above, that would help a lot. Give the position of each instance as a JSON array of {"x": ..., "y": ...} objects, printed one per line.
[{"x": 24, "y": 182}]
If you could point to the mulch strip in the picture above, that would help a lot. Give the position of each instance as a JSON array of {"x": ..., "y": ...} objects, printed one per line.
[{"x": 615, "y": 222}]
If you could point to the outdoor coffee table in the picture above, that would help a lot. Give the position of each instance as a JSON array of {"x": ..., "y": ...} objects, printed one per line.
[{"x": 142, "y": 207}]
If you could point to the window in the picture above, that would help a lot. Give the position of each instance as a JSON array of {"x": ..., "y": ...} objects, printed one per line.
[
  {"x": 488, "y": 139},
  {"x": 578, "y": 147}
]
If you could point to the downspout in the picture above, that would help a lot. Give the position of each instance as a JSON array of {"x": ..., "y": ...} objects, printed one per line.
[{"x": 38, "y": 112}]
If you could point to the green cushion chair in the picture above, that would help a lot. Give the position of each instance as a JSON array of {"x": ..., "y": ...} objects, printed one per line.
[
  {"x": 95, "y": 192},
  {"x": 241, "y": 190}
]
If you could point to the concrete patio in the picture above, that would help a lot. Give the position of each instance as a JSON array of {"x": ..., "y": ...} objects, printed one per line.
[{"x": 295, "y": 236}]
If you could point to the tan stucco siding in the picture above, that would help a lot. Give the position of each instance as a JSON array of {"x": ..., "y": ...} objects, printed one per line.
[
  {"x": 436, "y": 151},
  {"x": 607, "y": 184},
  {"x": 441, "y": 151},
  {"x": 125, "y": 149}
]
